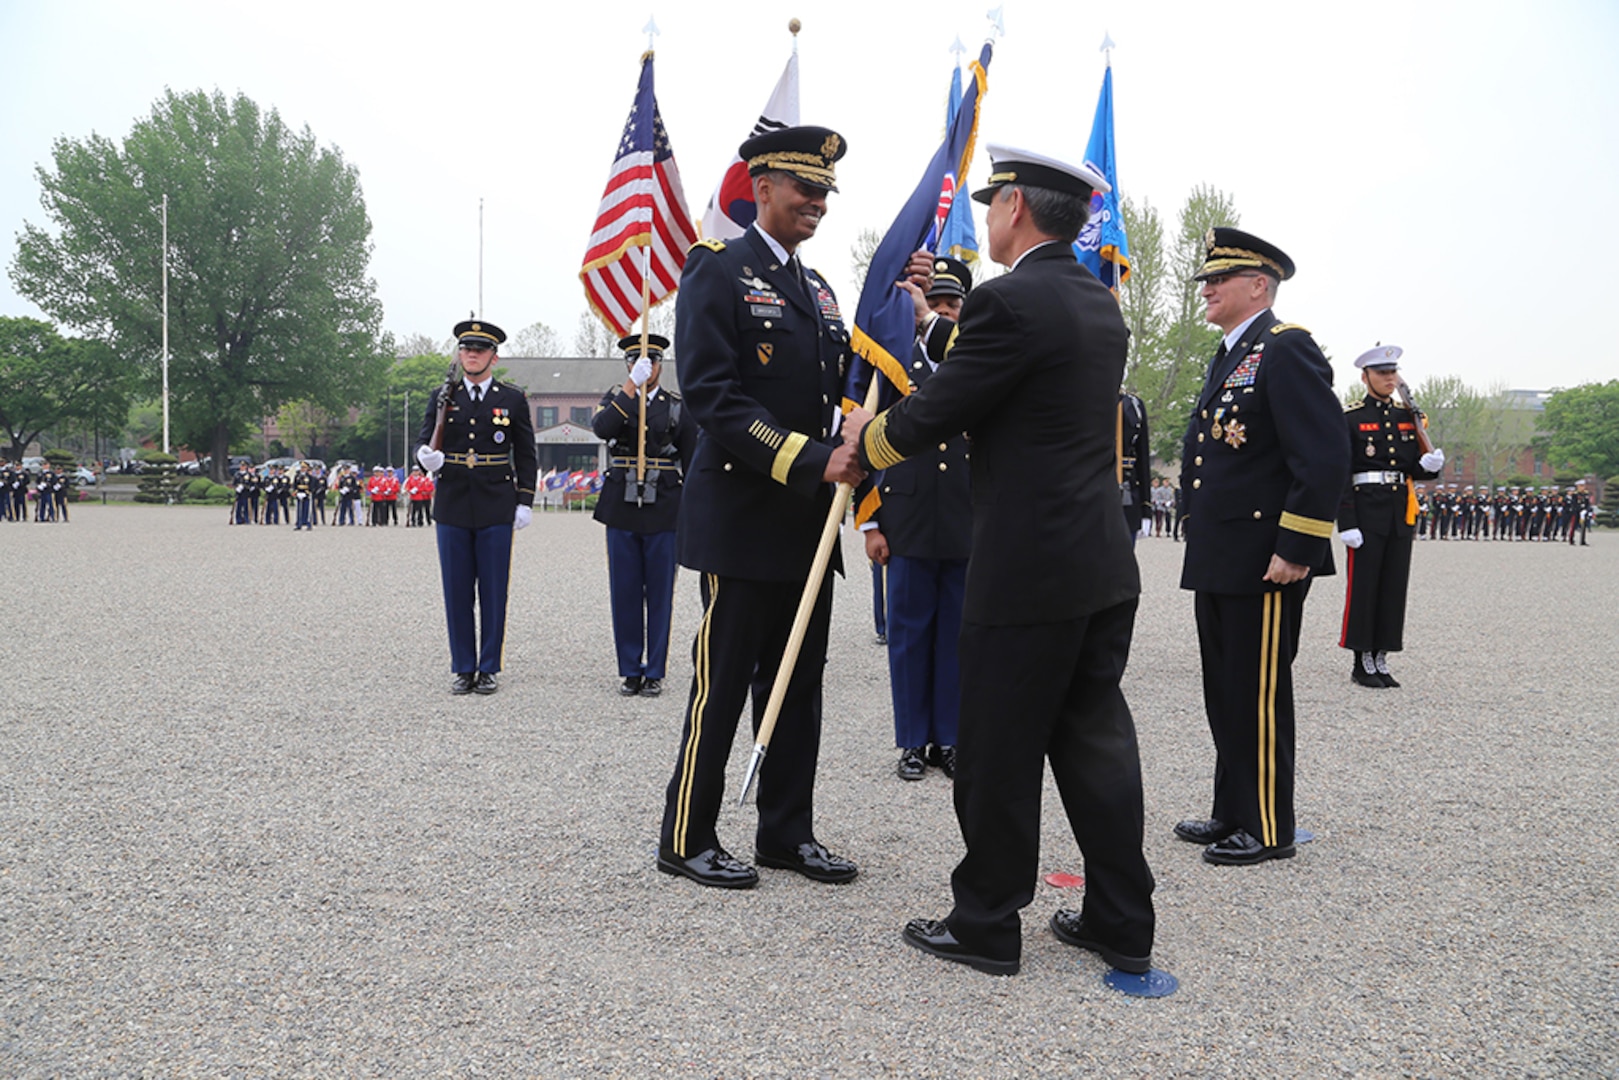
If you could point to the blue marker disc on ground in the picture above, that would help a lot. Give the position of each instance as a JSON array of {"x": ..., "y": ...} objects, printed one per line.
[
  {"x": 1154, "y": 984},
  {"x": 1302, "y": 836}
]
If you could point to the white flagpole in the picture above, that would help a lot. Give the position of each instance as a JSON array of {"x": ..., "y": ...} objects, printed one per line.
[
  {"x": 480, "y": 256},
  {"x": 165, "y": 324}
]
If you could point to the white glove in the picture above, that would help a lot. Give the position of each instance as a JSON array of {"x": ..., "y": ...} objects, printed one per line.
[
  {"x": 642, "y": 371},
  {"x": 1433, "y": 460},
  {"x": 525, "y": 514},
  {"x": 1353, "y": 538},
  {"x": 432, "y": 460},
  {"x": 1146, "y": 528}
]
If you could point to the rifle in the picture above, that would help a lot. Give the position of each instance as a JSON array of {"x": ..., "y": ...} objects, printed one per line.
[
  {"x": 451, "y": 377},
  {"x": 1417, "y": 415}
]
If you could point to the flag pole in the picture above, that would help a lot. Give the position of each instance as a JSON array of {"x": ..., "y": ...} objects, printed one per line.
[
  {"x": 651, "y": 30},
  {"x": 806, "y": 608}
]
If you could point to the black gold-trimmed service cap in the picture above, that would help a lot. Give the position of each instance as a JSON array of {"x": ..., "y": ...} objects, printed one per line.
[
  {"x": 1008, "y": 165},
  {"x": 1380, "y": 358},
  {"x": 809, "y": 154},
  {"x": 655, "y": 346},
  {"x": 478, "y": 332},
  {"x": 951, "y": 277},
  {"x": 1227, "y": 249}
]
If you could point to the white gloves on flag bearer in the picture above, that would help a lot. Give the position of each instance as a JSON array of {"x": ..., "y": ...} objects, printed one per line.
[
  {"x": 1433, "y": 460},
  {"x": 432, "y": 460},
  {"x": 1352, "y": 538},
  {"x": 524, "y": 515},
  {"x": 642, "y": 371}
]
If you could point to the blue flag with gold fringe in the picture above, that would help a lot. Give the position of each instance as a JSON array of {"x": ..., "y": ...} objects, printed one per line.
[
  {"x": 885, "y": 319},
  {"x": 1102, "y": 247},
  {"x": 956, "y": 234}
]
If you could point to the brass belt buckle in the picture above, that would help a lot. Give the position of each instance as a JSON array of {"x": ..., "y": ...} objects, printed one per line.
[{"x": 472, "y": 458}]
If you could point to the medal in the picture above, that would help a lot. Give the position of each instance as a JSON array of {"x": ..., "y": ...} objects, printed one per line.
[
  {"x": 1371, "y": 451},
  {"x": 1216, "y": 430}
]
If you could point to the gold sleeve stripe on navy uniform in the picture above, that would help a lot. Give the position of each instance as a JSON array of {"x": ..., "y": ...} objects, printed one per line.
[
  {"x": 878, "y": 449},
  {"x": 1305, "y": 525},
  {"x": 766, "y": 434},
  {"x": 792, "y": 446}
]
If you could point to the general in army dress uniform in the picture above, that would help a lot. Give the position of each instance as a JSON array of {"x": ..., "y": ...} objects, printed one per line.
[
  {"x": 917, "y": 521},
  {"x": 762, "y": 349},
  {"x": 641, "y": 521},
  {"x": 1052, "y": 585},
  {"x": 486, "y": 470},
  {"x": 1378, "y": 517},
  {"x": 1263, "y": 468}
]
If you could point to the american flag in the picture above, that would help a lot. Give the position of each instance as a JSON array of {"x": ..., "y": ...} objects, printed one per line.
[{"x": 643, "y": 206}]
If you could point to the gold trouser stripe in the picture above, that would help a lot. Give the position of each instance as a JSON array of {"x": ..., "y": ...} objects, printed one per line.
[
  {"x": 1270, "y": 635},
  {"x": 694, "y": 717},
  {"x": 1307, "y": 526},
  {"x": 879, "y": 451},
  {"x": 787, "y": 455},
  {"x": 1118, "y": 444}
]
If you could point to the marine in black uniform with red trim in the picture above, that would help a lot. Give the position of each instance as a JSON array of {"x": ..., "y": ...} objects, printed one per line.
[
  {"x": 762, "y": 349},
  {"x": 1377, "y": 517},
  {"x": 1263, "y": 468}
]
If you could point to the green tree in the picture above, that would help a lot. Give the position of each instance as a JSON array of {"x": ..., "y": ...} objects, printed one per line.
[
  {"x": 1171, "y": 343},
  {"x": 1582, "y": 428},
  {"x": 48, "y": 383},
  {"x": 268, "y": 249}
]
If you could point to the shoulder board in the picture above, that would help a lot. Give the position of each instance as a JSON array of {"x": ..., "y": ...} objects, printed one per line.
[
  {"x": 1352, "y": 408},
  {"x": 710, "y": 244},
  {"x": 1279, "y": 327}
]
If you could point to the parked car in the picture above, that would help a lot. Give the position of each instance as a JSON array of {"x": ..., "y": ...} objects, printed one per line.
[
  {"x": 33, "y": 465},
  {"x": 84, "y": 477}
]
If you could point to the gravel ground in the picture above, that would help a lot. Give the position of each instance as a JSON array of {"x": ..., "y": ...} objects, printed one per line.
[{"x": 244, "y": 830}]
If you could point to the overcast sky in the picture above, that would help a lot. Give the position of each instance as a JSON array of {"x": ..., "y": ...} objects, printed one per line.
[{"x": 1434, "y": 169}]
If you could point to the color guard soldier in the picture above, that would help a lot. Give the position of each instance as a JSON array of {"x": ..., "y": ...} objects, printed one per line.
[
  {"x": 416, "y": 491},
  {"x": 302, "y": 487},
  {"x": 1377, "y": 517},
  {"x": 1264, "y": 466},
  {"x": 640, "y": 519},
  {"x": 917, "y": 521},
  {"x": 1134, "y": 454},
  {"x": 5, "y": 490},
  {"x": 348, "y": 493},
  {"x": 762, "y": 350},
  {"x": 317, "y": 493},
  {"x": 486, "y": 469}
]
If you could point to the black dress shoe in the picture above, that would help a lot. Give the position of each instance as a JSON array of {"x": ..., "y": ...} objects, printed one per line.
[
  {"x": 947, "y": 761},
  {"x": 716, "y": 868},
  {"x": 1071, "y": 930},
  {"x": 651, "y": 687},
  {"x": 486, "y": 683},
  {"x": 1367, "y": 678},
  {"x": 882, "y": 639},
  {"x": 933, "y": 936},
  {"x": 1240, "y": 849},
  {"x": 911, "y": 766},
  {"x": 813, "y": 861},
  {"x": 631, "y": 686},
  {"x": 1204, "y": 832},
  {"x": 462, "y": 684}
]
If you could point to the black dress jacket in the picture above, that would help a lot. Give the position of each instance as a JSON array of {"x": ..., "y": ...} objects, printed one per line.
[
  {"x": 671, "y": 439},
  {"x": 1264, "y": 462},
  {"x": 489, "y": 458},
  {"x": 1033, "y": 379},
  {"x": 1382, "y": 442},
  {"x": 761, "y": 357},
  {"x": 922, "y": 505}
]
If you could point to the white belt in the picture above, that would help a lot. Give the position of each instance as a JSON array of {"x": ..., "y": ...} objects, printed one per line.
[{"x": 1378, "y": 478}]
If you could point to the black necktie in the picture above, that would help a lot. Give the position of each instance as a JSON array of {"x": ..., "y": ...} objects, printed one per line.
[
  {"x": 477, "y": 394},
  {"x": 1219, "y": 358},
  {"x": 798, "y": 275}
]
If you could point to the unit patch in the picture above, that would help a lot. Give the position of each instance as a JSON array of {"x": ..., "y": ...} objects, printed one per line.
[{"x": 765, "y": 351}]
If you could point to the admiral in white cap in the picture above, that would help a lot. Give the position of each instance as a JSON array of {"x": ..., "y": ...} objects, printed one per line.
[{"x": 1051, "y": 585}]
